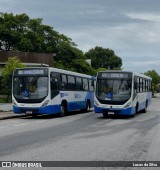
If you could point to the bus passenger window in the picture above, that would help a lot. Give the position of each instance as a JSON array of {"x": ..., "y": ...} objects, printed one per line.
[
  {"x": 85, "y": 84},
  {"x": 71, "y": 83},
  {"x": 64, "y": 85},
  {"x": 54, "y": 84},
  {"x": 79, "y": 85},
  {"x": 91, "y": 85}
]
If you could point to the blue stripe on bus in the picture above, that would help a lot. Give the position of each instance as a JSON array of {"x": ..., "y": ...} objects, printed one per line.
[
  {"x": 76, "y": 105},
  {"x": 124, "y": 111},
  {"x": 51, "y": 109}
]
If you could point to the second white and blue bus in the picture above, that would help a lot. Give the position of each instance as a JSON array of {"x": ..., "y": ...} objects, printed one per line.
[
  {"x": 46, "y": 90},
  {"x": 128, "y": 93}
]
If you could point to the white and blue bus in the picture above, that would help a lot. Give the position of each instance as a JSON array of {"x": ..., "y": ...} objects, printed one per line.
[
  {"x": 46, "y": 90},
  {"x": 122, "y": 93}
]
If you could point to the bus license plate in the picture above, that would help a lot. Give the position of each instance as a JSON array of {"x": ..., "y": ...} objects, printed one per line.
[
  {"x": 111, "y": 113},
  {"x": 28, "y": 112}
]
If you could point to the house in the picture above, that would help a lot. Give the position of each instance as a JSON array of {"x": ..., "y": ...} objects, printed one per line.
[{"x": 27, "y": 58}]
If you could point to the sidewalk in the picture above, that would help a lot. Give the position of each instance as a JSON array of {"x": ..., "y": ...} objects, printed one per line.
[
  {"x": 9, "y": 115},
  {"x": 6, "y": 111},
  {"x": 6, "y": 107}
]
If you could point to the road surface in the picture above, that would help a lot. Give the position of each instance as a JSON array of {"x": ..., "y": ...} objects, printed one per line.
[{"x": 83, "y": 137}]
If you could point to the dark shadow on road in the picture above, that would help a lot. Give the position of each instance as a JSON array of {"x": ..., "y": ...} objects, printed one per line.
[
  {"x": 121, "y": 116},
  {"x": 53, "y": 116}
]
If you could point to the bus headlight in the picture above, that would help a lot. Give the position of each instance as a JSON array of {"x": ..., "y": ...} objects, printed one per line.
[
  {"x": 14, "y": 103},
  {"x": 96, "y": 103},
  {"x": 45, "y": 103},
  {"x": 127, "y": 105}
]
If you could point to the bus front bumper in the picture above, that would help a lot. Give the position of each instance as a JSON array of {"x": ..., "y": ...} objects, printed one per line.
[
  {"x": 38, "y": 110},
  {"x": 117, "y": 111}
]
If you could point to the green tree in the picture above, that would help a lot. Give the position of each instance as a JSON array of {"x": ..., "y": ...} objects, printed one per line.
[
  {"x": 103, "y": 58},
  {"x": 11, "y": 30},
  {"x": 101, "y": 69},
  {"x": 155, "y": 79},
  {"x": 13, "y": 63},
  {"x": 19, "y": 32},
  {"x": 81, "y": 66},
  {"x": 71, "y": 58}
]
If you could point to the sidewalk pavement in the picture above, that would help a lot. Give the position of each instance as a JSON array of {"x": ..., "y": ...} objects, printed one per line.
[
  {"x": 6, "y": 107},
  {"x": 7, "y": 113}
]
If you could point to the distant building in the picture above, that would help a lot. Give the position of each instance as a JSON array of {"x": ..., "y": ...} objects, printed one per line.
[{"x": 27, "y": 58}]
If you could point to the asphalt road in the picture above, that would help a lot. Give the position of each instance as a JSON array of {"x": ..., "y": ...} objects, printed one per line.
[{"x": 82, "y": 137}]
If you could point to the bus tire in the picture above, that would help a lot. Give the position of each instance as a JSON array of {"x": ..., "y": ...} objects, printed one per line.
[
  {"x": 145, "y": 109},
  {"x": 137, "y": 105},
  {"x": 63, "y": 111},
  {"x": 88, "y": 106},
  {"x": 136, "y": 111}
]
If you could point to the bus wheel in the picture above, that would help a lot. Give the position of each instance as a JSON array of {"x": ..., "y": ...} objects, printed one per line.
[
  {"x": 63, "y": 110},
  {"x": 136, "y": 111},
  {"x": 145, "y": 109},
  {"x": 136, "y": 108},
  {"x": 88, "y": 106}
]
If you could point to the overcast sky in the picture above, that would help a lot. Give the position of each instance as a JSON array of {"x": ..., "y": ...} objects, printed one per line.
[{"x": 129, "y": 27}]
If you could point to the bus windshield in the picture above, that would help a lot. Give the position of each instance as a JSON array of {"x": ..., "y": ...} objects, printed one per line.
[
  {"x": 30, "y": 87},
  {"x": 113, "y": 91}
]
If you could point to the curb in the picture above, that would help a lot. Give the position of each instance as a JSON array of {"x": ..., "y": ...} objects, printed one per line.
[{"x": 12, "y": 116}]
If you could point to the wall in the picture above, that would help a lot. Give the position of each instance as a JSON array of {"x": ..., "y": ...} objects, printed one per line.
[{"x": 28, "y": 57}]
